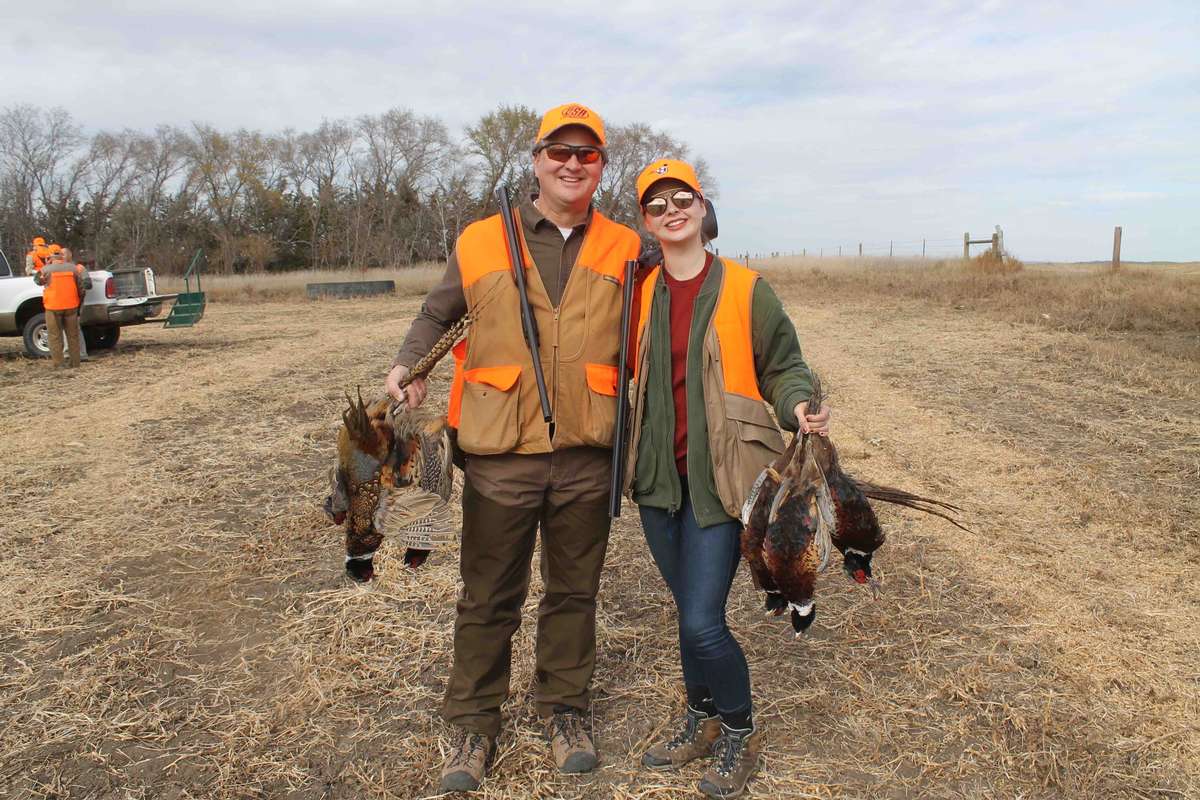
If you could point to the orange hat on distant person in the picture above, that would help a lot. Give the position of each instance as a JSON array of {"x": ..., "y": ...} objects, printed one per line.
[
  {"x": 663, "y": 169},
  {"x": 571, "y": 114},
  {"x": 55, "y": 248},
  {"x": 38, "y": 241}
]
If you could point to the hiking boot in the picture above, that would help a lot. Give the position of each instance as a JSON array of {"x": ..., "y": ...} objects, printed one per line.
[
  {"x": 735, "y": 758},
  {"x": 695, "y": 739},
  {"x": 571, "y": 742},
  {"x": 470, "y": 754}
]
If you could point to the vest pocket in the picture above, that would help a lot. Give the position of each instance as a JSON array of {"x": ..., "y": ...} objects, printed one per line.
[
  {"x": 489, "y": 422},
  {"x": 601, "y": 404},
  {"x": 744, "y": 442}
]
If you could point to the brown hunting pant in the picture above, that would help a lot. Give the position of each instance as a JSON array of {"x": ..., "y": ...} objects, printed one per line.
[
  {"x": 497, "y": 548},
  {"x": 58, "y": 324}
]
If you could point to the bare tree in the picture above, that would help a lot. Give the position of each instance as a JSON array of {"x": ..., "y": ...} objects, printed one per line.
[
  {"x": 222, "y": 166},
  {"x": 111, "y": 168},
  {"x": 502, "y": 141},
  {"x": 382, "y": 189},
  {"x": 40, "y": 147}
]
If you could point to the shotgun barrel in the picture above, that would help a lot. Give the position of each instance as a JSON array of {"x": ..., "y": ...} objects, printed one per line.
[
  {"x": 516, "y": 260},
  {"x": 621, "y": 428}
]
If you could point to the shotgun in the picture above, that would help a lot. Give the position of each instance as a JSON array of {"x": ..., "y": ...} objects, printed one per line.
[
  {"x": 516, "y": 260},
  {"x": 621, "y": 429}
]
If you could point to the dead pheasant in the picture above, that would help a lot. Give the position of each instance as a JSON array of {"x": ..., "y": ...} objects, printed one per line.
[
  {"x": 801, "y": 504},
  {"x": 393, "y": 473},
  {"x": 392, "y": 478}
]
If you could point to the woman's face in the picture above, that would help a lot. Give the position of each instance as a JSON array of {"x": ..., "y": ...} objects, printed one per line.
[{"x": 677, "y": 224}]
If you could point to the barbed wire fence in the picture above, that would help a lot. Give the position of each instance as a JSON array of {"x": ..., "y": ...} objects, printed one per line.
[{"x": 937, "y": 249}]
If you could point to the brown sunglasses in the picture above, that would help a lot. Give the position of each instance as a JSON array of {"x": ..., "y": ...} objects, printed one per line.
[{"x": 586, "y": 153}]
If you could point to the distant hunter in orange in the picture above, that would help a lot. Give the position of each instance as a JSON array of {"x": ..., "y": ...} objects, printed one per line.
[{"x": 66, "y": 283}]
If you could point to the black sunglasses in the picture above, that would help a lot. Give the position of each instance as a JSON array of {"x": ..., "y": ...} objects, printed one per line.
[
  {"x": 586, "y": 153},
  {"x": 680, "y": 198}
]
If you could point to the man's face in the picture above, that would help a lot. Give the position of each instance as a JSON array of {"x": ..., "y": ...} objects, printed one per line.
[{"x": 570, "y": 184}]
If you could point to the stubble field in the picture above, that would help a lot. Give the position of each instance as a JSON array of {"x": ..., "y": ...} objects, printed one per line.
[{"x": 174, "y": 622}]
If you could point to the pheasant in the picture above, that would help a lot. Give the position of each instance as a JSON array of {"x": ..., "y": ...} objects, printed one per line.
[
  {"x": 394, "y": 472},
  {"x": 392, "y": 478},
  {"x": 788, "y": 529},
  {"x": 803, "y": 503}
]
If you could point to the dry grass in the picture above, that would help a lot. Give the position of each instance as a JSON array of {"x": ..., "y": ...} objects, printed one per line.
[
  {"x": 411, "y": 281},
  {"x": 173, "y": 623},
  {"x": 1160, "y": 308}
]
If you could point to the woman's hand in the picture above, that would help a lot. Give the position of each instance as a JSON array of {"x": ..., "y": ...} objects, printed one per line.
[
  {"x": 813, "y": 423},
  {"x": 413, "y": 394}
]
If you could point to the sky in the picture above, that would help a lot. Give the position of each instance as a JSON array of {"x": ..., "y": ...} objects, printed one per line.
[{"x": 824, "y": 124}]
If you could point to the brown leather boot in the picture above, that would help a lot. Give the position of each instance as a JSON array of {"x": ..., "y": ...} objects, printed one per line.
[
  {"x": 735, "y": 759},
  {"x": 695, "y": 735},
  {"x": 470, "y": 754},
  {"x": 571, "y": 742}
]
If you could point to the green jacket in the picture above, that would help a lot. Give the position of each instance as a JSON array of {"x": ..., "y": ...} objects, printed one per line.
[{"x": 783, "y": 379}]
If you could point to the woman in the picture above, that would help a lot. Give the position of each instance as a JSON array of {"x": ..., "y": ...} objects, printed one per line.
[{"x": 712, "y": 341}]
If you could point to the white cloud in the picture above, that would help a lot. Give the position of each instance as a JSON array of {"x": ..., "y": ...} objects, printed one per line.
[{"x": 822, "y": 122}]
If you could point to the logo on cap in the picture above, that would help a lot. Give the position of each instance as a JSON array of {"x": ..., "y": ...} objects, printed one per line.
[
  {"x": 575, "y": 112},
  {"x": 661, "y": 170}
]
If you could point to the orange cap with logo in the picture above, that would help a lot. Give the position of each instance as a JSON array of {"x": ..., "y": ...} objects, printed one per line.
[
  {"x": 571, "y": 114},
  {"x": 666, "y": 168}
]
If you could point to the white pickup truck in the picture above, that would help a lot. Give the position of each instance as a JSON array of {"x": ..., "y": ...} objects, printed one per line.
[{"x": 123, "y": 297}]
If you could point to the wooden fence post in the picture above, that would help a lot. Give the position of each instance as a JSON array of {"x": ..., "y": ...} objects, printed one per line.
[
  {"x": 860, "y": 249},
  {"x": 891, "y": 245},
  {"x": 996, "y": 244},
  {"x": 839, "y": 251},
  {"x": 1116, "y": 262},
  {"x": 922, "y": 248},
  {"x": 966, "y": 246}
]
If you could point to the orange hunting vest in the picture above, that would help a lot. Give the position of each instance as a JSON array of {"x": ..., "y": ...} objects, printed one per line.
[
  {"x": 494, "y": 398},
  {"x": 742, "y": 435},
  {"x": 62, "y": 291},
  {"x": 730, "y": 322}
]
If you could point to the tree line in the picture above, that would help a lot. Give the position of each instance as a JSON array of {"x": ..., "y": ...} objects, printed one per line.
[{"x": 379, "y": 190}]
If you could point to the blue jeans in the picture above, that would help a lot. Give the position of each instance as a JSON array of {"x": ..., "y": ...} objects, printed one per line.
[{"x": 698, "y": 565}]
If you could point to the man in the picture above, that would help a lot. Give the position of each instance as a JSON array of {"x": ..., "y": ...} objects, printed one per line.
[
  {"x": 37, "y": 256},
  {"x": 522, "y": 472},
  {"x": 66, "y": 283}
]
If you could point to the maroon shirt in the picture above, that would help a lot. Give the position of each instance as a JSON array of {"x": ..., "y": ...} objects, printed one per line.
[{"x": 683, "y": 301}]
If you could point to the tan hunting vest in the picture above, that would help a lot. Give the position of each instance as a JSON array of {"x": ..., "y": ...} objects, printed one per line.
[{"x": 494, "y": 399}]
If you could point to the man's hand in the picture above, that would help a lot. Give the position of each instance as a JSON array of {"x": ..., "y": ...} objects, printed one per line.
[
  {"x": 813, "y": 423},
  {"x": 413, "y": 394}
]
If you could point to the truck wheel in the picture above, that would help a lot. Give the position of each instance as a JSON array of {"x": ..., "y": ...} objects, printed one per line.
[
  {"x": 101, "y": 337},
  {"x": 37, "y": 341}
]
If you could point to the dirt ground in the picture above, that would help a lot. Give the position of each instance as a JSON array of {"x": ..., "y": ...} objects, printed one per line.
[{"x": 174, "y": 622}]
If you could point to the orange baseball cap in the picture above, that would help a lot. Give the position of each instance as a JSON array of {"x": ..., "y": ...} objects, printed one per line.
[
  {"x": 666, "y": 168},
  {"x": 571, "y": 114},
  {"x": 37, "y": 240},
  {"x": 56, "y": 248}
]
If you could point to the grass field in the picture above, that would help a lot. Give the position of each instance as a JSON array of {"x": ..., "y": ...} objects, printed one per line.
[{"x": 174, "y": 624}]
